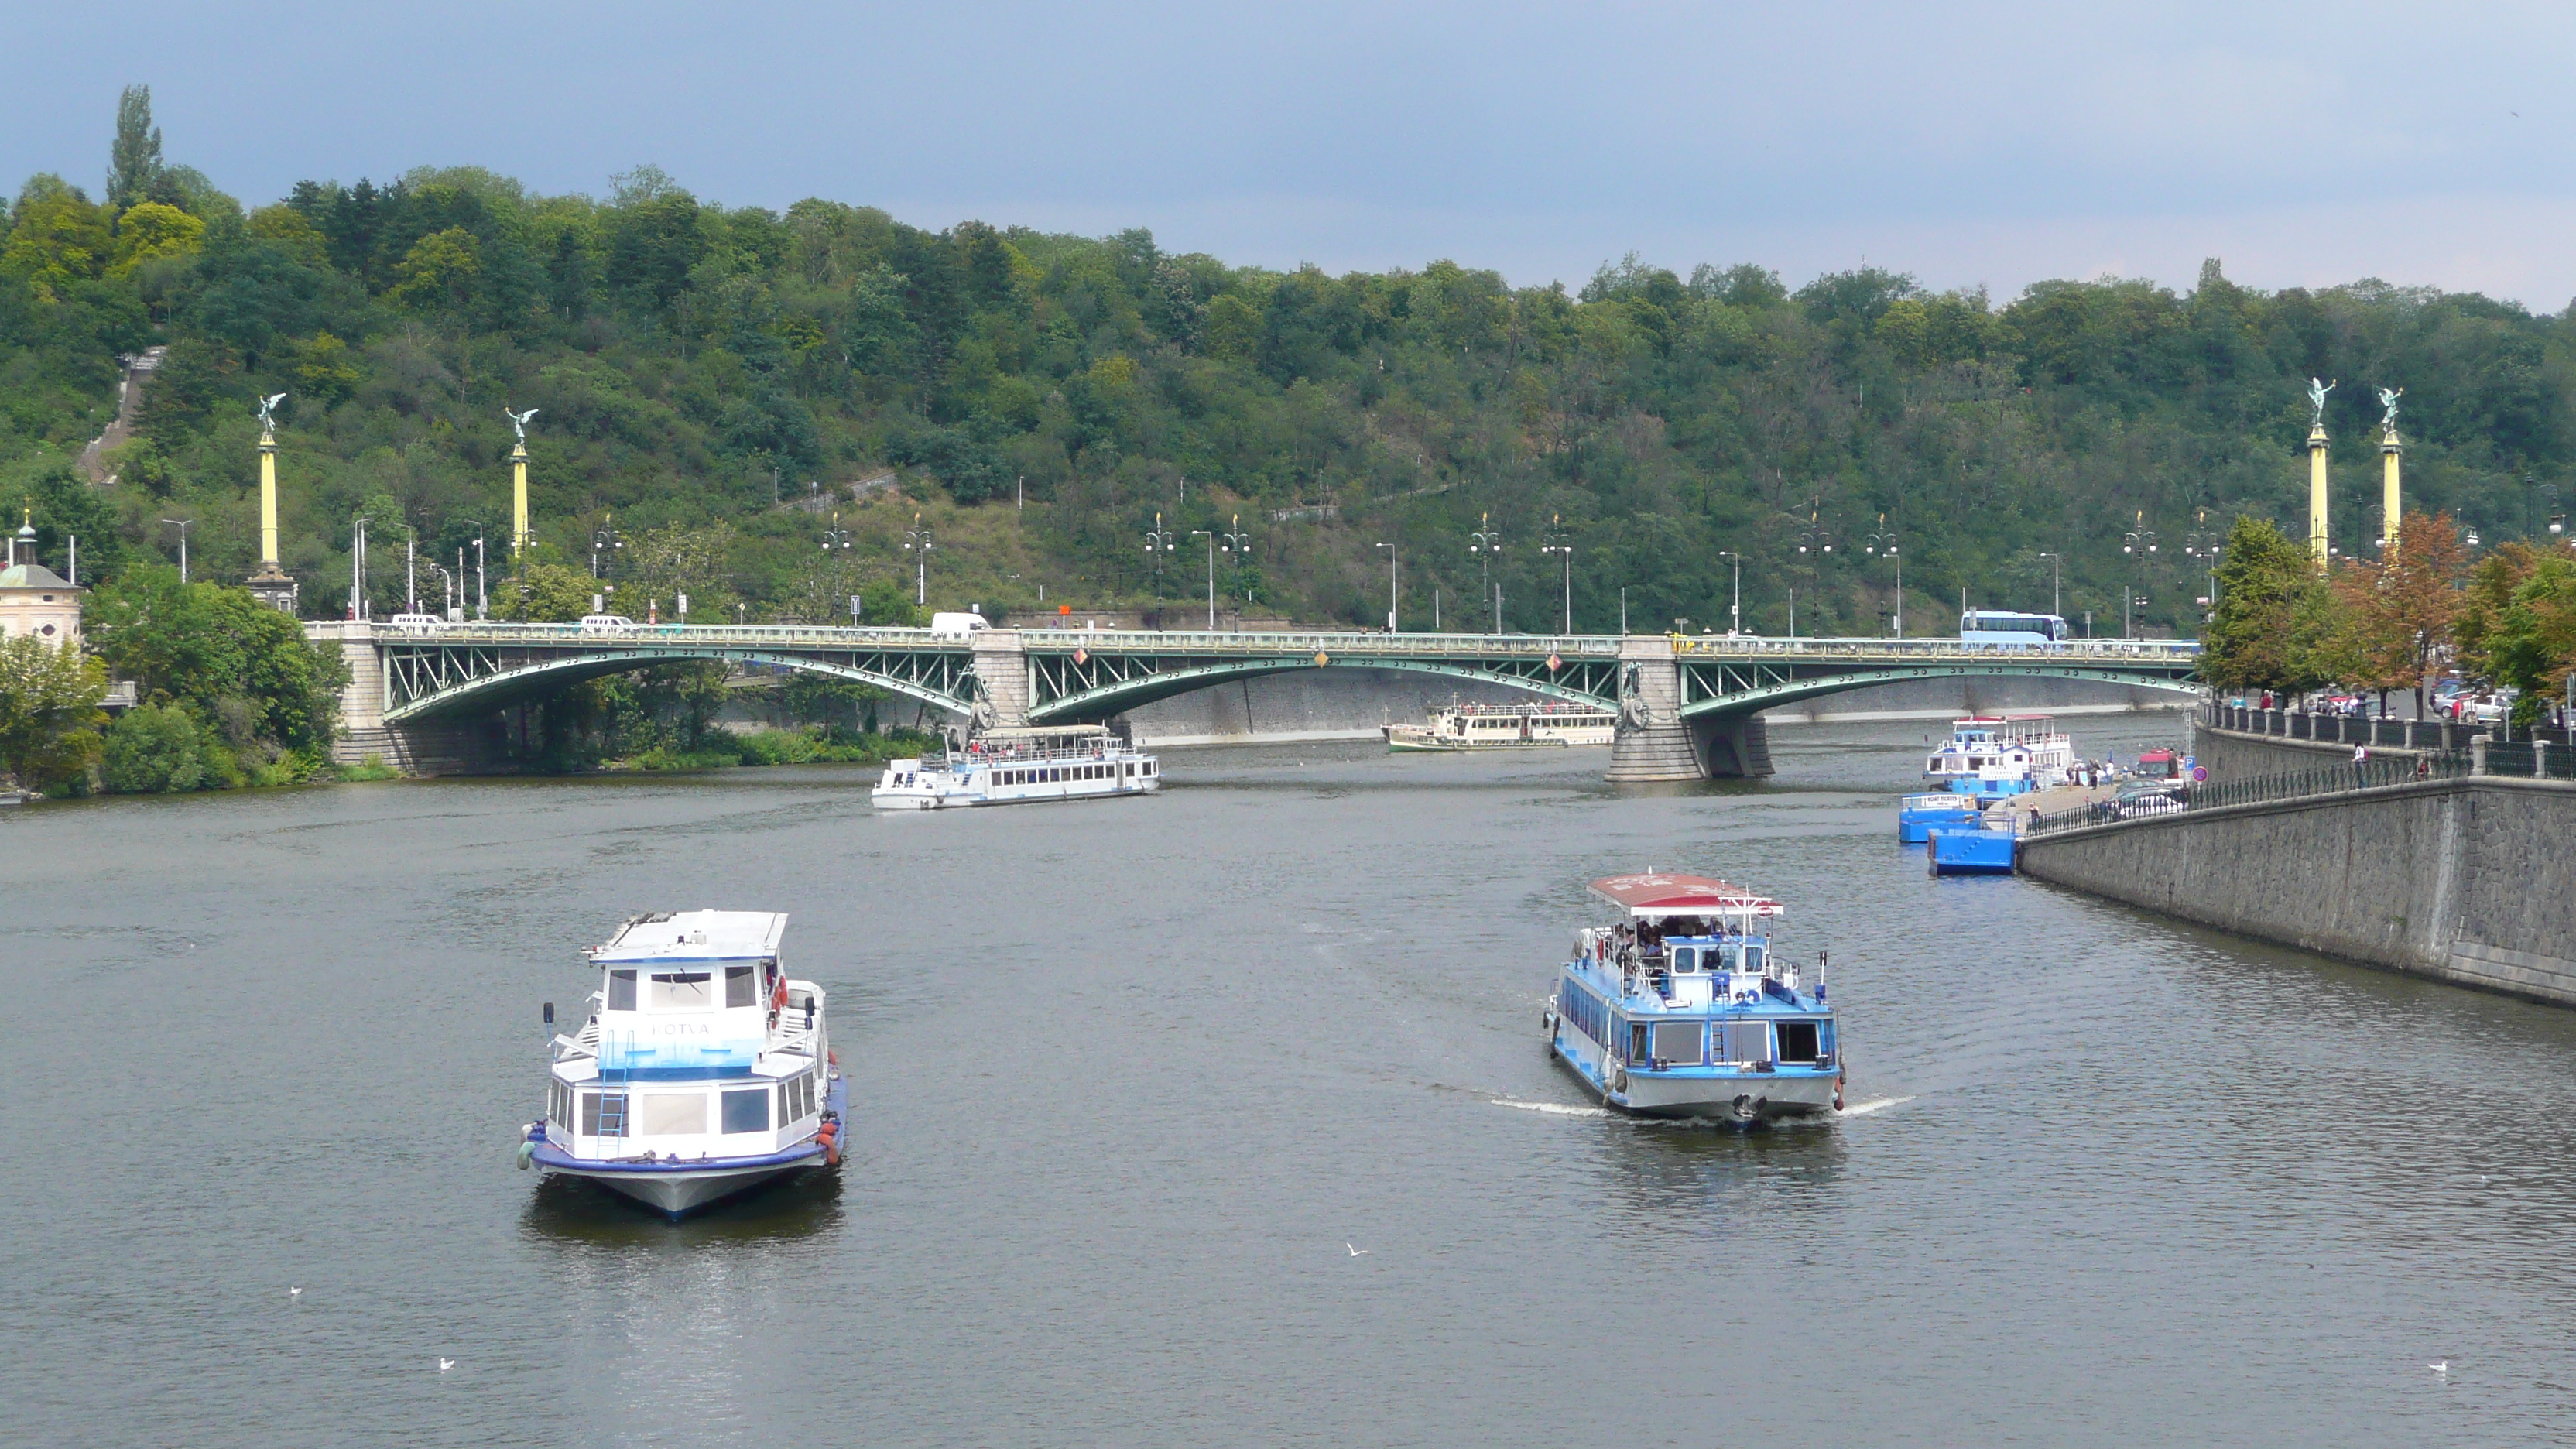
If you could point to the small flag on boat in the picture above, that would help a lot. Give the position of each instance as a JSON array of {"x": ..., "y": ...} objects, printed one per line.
[
  {"x": 1554, "y": 663},
  {"x": 1081, "y": 655}
]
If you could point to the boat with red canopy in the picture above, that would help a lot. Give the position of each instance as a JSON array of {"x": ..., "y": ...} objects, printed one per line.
[{"x": 1681, "y": 1007}]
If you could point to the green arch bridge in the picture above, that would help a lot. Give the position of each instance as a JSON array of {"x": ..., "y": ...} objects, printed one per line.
[{"x": 1689, "y": 706}]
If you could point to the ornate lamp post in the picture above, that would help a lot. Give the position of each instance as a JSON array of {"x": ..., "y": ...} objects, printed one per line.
[
  {"x": 604, "y": 537},
  {"x": 1814, "y": 542},
  {"x": 1885, "y": 538},
  {"x": 836, "y": 535},
  {"x": 1562, "y": 543},
  {"x": 2138, "y": 542},
  {"x": 1237, "y": 545},
  {"x": 1158, "y": 542},
  {"x": 1485, "y": 542},
  {"x": 2203, "y": 544},
  {"x": 916, "y": 541}
]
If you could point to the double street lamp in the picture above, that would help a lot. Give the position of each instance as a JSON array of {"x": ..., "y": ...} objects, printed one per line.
[
  {"x": 835, "y": 536},
  {"x": 1885, "y": 538},
  {"x": 2138, "y": 542},
  {"x": 1487, "y": 541},
  {"x": 916, "y": 541},
  {"x": 1562, "y": 543},
  {"x": 1158, "y": 542},
  {"x": 604, "y": 537}
]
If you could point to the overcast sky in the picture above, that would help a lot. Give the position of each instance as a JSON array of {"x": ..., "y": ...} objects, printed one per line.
[{"x": 1967, "y": 144}]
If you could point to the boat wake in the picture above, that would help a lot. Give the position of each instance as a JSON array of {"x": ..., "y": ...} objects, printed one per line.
[
  {"x": 1863, "y": 1109},
  {"x": 1553, "y": 1109}
]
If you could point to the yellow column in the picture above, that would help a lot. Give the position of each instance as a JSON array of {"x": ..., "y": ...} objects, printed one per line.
[
  {"x": 519, "y": 498},
  {"x": 2318, "y": 549},
  {"x": 2389, "y": 504},
  {"x": 267, "y": 502}
]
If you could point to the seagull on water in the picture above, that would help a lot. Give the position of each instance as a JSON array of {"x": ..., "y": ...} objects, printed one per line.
[
  {"x": 1357, "y": 1252},
  {"x": 293, "y": 1292},
  {"x": 2443, "y": 1368},
  {"x": 445, "y": 1364}
]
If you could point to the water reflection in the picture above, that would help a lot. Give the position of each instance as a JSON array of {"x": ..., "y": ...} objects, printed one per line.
[{"x": 575, "y": 1212}]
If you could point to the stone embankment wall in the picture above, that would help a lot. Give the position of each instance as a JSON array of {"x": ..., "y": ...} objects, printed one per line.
[{"x": 2467, "y": 880}]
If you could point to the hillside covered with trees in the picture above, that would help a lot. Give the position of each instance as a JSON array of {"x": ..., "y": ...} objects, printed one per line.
[{"x": 713, "y": 380}]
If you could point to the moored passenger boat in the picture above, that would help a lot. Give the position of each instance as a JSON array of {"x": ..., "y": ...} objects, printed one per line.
[
  {"x": 1021, "y": 766},
  {"x": 1553, "y": 724},
  {"x": 1990, "y": 757},
  {"x": 702, "y": 1071},
  {"x": 1681, "y": 1008}
]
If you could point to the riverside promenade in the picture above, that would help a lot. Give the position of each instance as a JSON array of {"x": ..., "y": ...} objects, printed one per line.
[{"x": 2452, "y": 863}]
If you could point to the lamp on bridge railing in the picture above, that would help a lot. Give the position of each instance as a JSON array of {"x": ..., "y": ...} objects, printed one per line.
[
  {"x": 1886, "y": 538},
  {"x": 916, "y": 541},
  {"x": 1485, "y": 542}
]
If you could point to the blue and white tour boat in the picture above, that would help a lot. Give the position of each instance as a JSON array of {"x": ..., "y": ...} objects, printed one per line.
[
  {"x": 704, "y": 1070},
  {"x": 1990, "y": 757},
  {"x": 1021, "y": 766},
  {"x": 1681, "y": 1008},
  {"x": 1917, "y": 816}
]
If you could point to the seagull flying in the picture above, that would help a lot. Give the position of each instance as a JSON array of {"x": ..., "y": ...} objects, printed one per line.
[
  {"x": 445, "y": 1364},
  {"x": 2443, "y": 1368},
  {"x": 1357, "y": 1252}
]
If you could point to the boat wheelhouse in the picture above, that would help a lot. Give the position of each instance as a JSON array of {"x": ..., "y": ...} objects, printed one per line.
[
  {"x": 1993, "y": 756},
  {"x": 703, "y": 1069},
  {"x": 1021, "y": 766},
  {"x": 1459, "y": 726},
  {"x": 1682, "y": 1008}
]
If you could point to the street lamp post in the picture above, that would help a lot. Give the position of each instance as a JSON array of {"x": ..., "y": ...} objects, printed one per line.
[
  {"x": 2138, "y": 542},
  {"x": 916, "y": 541},
  {"x": 835, "y": 535},
  {"x": 1820, "y": 539},
  {"x": 1390, "y": 586},
  {"x": 1735, "y": 599},
  {"x": 1886, "y": 538},
  {"x": 411, "y": 574},
  {"x": 1158, "y": 542},
  {"x": 1487, "y": 541},
  {"x": 604, "y": 536},
  {"x": 1562, "y": 543},
  {"x": 1238, "y": 551},
  {"x": 2206, "y": 546},
  {"x": 182, "y": 525},
  {"x": 1210, "y": 535},
  {"x": 2055, "y": 609},
  {"x": 482, "y": 597}
]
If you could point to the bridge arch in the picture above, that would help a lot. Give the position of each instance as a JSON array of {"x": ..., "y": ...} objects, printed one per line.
[
  {"x": 542, "y": 677},
  {"x": 1102, "y": 701},
  {"x": 1792, "y": 691}
]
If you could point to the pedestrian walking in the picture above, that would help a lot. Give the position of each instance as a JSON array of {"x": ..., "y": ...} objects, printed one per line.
[{"x": 2360, "y": 757}]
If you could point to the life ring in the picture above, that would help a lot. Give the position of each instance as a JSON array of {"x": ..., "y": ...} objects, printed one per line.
[
  {"x": 1745, "y": 1107},
  {"x": 778, "y": 996},
  {"x": 1838, "y": 1091},
  {"x": 1619, "y": 1081}
]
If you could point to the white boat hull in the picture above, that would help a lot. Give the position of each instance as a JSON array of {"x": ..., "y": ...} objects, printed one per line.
[{"x": 677, "y": 1193}]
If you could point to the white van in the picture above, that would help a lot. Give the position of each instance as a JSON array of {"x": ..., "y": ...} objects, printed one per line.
[
  {"x": 416, "y": 623},
  {"x": 957, "y": 626},
  {"x": 606, "y": 623}
]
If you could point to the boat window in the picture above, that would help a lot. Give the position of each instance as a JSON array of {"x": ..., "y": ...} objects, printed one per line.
[
  {"x": 1753, "y": 958},
  {"x": 740, "y": 989},
  {"x": 621, "y": 991},
  {"x": 680, "y": 991},
  {"x": 1798, "y": 1041},
  {"x": 1677, "y": 1042},
  {"x": 747, "y": 1111},
  {"x": 559, "y": 1105},
  {"x": 603, "y": 1114},
  {"x": 1685, "y": 959},
  {"x": 682, "y": 1114},
  {"x": 1748, "y": 1041},
  {"x": 1638, "y": 1047}
]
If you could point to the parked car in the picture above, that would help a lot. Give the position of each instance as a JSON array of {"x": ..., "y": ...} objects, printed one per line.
[{"x": 2144, "y": 797}]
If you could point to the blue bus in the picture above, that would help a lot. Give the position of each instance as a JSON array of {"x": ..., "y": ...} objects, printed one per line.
[{"x": 1997, "y": 626}]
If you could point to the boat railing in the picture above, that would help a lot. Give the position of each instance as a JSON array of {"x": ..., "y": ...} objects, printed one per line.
[{"x": 800, "y": 1022}]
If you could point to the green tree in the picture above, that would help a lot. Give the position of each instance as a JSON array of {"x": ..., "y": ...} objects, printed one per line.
[
  {"x": 152, "y": 231},
  {"x": 440, "y": 273},
  {"x": 2269, "y": 598},
  {"x": 2533, "y": 646},
  {"x": 134, "y": 160},
  {"x": 56, "y": 238},
  {"x": 155, "y": 749},
  {"x": 209, "y": 646},
  {"x": 546, "y": 593},
  {"x": 49, "y": 713}
]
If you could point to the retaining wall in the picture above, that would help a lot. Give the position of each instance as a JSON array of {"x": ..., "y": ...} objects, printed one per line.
[{"x": 2470, "y": 881}]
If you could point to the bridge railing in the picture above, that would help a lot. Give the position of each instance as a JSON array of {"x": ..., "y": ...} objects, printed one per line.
[
  {"x": 1318, "y": 641},
  {"x": 2163, "y": 652},
  {"x": 746, "y": 635}
]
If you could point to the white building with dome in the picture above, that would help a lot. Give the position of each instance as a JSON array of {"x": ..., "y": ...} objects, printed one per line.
[{"x": 34, "y": 600}]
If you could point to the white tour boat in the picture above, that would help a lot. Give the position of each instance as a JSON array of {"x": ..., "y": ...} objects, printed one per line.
[
  {"x": 702, "y": 1071},
  {"x": 1989, "y": 757},
  {"x": 1682, "y": 1009},
  {"x": 1505, "y": 726},
  {"x": 1015, "y": 766}
]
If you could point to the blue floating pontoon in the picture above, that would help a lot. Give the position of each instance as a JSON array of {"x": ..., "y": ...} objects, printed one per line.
[
  {"x": 1972, "y": 852},
  {"x": 1917, "y": 815}
]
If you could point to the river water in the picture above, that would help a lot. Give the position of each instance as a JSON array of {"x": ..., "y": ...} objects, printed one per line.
[{"x": 1131, "y": 1079}]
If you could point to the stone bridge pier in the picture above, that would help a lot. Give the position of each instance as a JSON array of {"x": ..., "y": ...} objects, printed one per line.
[
  {"x": 422, "y": 747},
  {"x": 1654, "y": 740},
  {"x": 1002, "y": 676}
]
